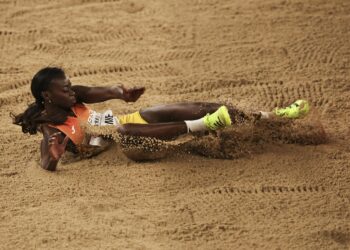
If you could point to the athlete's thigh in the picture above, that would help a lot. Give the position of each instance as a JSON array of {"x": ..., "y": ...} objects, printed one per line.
[{"x": 177, "y": 111}]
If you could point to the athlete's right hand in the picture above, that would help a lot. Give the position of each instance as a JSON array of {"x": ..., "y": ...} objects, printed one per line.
[
  {"x": 132, "y": 94},
  {"x": 56, "y": 149}
]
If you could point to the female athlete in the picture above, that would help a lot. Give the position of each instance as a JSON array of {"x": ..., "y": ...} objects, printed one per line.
[{"x": 59, "y": 110}]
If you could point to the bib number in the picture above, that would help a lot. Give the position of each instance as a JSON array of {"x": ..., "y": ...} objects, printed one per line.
[{"x": 102, "y": 119}]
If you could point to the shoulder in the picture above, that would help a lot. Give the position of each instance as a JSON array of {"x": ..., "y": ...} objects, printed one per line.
[{"x": 80, "y": 107}]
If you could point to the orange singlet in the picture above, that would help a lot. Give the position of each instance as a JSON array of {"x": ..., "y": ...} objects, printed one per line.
[{"x": 71, "y": 127}]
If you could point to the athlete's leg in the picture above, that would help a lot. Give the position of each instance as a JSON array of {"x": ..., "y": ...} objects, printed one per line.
[
  {"x": 168, "y": 128},
  {"x": 298, "y": 109},
  {"x": 188, "y": 111},
  {"x": 177, "y": 112},
  {"x": 168, "y": 121},
  {"x": 157, "y": 130},
  {"x": 195, "y": 110}
]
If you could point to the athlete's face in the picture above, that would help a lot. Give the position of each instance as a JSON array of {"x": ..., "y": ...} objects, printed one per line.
[{"x": 61, "y": 94}]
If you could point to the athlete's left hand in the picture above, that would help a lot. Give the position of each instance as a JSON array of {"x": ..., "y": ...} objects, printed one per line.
[{"x": 132, "y": 94}]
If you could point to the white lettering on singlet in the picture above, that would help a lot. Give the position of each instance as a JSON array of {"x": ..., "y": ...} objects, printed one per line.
[{"x": 102, "y": 119}]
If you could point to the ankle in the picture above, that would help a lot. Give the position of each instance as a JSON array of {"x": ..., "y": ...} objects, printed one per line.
[{"x": 266, "y": 115}]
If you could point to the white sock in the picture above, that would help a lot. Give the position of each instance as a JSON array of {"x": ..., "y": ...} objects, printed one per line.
[
  {"x": 196, "y": 125},
  {"x": 264, "y": 115}
]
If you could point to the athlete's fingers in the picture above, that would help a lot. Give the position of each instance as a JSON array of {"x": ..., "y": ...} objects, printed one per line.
[
  {"x": 54, "y": 136},
  {"x": 52, "y": 139},
  {"x": 136, "y": 92},
  {"x": 65, "y": 141},
  {"x": 139, "y": 90},
  {"x": 136, "y": 89}
]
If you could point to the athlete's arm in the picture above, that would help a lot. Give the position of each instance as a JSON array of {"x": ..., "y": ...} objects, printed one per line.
[
  {"x": 100, "y": 94},
  {"x": 52, "y": 147}
]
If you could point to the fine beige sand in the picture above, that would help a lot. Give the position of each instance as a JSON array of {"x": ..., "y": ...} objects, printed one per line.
[{"x": 279, "y": 185}]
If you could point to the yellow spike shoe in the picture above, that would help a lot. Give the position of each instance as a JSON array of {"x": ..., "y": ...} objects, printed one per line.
[
  {"x": 219, "y": 119},
  {"x": 297, "y": 109}
]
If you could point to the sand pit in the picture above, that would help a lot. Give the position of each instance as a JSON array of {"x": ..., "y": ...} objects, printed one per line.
[{"x": 261, "y": 186}]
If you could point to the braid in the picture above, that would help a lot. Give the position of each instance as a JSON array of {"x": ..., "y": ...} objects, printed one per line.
[
  {"x": 32, "y": 117},
  {"x": 29, "y": 119}
]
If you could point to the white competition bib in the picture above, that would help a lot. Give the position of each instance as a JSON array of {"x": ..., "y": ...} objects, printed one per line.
[{"x": 102, "y": 119}]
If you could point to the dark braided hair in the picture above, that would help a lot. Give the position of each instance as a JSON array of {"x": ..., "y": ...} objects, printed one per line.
[{"x": 32, "y": 117}]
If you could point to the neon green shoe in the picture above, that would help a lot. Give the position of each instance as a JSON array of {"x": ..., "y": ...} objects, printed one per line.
[
  {"x": 219, "y": 119},
  {"x": 297, "y": 109}
]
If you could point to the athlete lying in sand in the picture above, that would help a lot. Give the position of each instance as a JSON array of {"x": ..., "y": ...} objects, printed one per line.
[{"x": 58, "y": 110}]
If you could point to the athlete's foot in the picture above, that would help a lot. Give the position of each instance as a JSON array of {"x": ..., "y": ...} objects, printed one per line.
[
  {"x": 219, "y": 119},
  {"x": 298, "y": 109}
]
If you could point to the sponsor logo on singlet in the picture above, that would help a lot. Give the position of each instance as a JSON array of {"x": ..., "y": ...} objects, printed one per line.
[{"x": 102, "y": 119}]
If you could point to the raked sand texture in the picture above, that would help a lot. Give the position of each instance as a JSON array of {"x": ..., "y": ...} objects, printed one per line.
[{"x": 253, "y": 54}]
